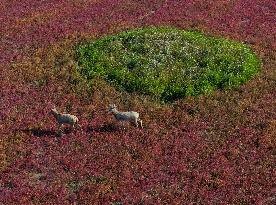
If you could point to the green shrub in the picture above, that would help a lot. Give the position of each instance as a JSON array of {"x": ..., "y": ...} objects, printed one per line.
[{"x": 167, "y": 63}]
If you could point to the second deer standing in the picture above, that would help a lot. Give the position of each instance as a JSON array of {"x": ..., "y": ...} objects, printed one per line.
[{"x": 131, "y": 116}]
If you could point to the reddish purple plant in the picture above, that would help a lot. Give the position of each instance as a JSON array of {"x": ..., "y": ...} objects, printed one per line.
[{"x": 215, "y": 149}]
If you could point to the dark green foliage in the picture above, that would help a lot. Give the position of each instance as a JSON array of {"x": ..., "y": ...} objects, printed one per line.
[{"x": 167, "y": 63}]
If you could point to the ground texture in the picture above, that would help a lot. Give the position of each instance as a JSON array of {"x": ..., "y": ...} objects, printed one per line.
[{"x": 213, "y": 149}]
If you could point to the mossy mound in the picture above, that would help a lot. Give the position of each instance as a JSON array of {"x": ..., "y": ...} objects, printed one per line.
[{"x": 167, "y": 63}]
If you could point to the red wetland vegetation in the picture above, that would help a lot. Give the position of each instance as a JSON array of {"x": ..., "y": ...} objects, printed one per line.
[{"x": 217, "y": 148}]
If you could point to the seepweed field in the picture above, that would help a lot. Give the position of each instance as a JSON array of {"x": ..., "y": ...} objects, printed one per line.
[{"x": 213, "y": 148}]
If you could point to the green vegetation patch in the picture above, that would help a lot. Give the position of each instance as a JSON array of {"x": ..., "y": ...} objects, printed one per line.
[{"x": 167, "y": 63}]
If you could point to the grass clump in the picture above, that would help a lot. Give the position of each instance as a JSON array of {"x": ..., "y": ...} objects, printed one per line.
[{"x": 167, "y": 63}]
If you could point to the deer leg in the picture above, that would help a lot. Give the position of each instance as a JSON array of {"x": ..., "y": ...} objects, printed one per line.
[
  {"x": 141, "y": 123},
  {"x": 123, "y": 124},
  {"x": 60, "y": 132},
  {"x": 136, "y": 122},
  {"x": 59, "y": 126},
  {"x": 78, "y": 125}
]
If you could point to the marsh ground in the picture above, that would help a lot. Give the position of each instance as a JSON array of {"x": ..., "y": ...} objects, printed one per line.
[{"x": 213, "y": 149}]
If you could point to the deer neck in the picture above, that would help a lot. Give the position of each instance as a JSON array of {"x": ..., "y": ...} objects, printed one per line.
[
  {"x": 56, "y": 114},
  {"x": 115, "y": 111}
]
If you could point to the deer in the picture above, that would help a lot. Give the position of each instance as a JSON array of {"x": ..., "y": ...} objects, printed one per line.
[
  {"x": 130, "y": 116},
  {"x": 62, "y": 119}
]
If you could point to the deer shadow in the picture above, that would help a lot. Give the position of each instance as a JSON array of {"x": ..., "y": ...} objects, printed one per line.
[
  {"x": 105, "y": 128},
  {"x": 39, "y": 132}
]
